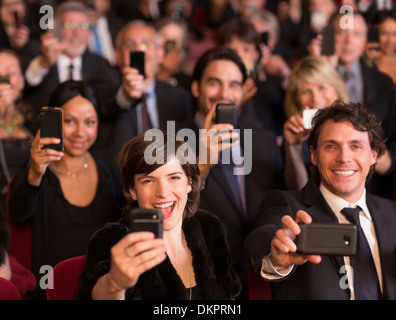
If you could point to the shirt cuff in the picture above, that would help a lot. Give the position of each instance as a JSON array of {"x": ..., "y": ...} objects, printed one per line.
[
  {"x": 269, "y": 272},
  {"x": 121, "y": 101},
  {"x": 35, "y": 73}
]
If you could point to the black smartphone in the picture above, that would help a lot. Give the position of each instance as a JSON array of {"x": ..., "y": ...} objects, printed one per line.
[
  {"x": 17, "y": 19},
  {"x": 327, "y": 239},
  {"x": 373, "y": 34},
  {"x": 227, "y": 113},
  {"x": 264, "y": 38},
  {"x": 328, "y": 34},
  {"x": 169, "y": 46},
  {"x": 5, "y": 79},
  {"x": 137, "y": 61},
  {"x": 51, "y": 121},
  {"x": 146, "y": 220}
]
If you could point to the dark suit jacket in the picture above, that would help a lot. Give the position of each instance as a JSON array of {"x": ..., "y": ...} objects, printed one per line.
[
  {"x": 117, "y": 126},
  {"x": 217, "y": 197},
  {"x": 96, "y": 71},
  {"x": 320, "y": 281},
  {"x": 380, "y": 97}
]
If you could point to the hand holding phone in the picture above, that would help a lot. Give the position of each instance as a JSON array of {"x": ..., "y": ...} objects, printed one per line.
[
  {"x": 51, "y": 125},
  {"x": 141, "y": 219},
  {"x": 327, "y": 239}
]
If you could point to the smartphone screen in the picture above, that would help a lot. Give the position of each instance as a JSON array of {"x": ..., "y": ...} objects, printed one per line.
[
  {"x": 328, "y": 47},
  {"x": 146, "y": 220},
  {"x": 51, "y": 121},
  {"x": 137, "y": 61},
  {"x": 17, "y": 19},
  {"x": 373, "y": 34},
  {"x": 169, "y": 46},
  {"x": 264, "y": 38},
  {"x": 227, "y": 113}
]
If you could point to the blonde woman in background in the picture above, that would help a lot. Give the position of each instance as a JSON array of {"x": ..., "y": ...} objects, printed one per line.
[{"x": 313, "y": 84}]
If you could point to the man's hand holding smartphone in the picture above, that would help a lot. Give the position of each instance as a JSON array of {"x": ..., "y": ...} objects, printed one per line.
[
  {"x": 134, "y": 76},
  {"x": 284, "y": 249}
]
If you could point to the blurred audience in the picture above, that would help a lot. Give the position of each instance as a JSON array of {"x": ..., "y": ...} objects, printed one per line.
[{"x": 64, "y": 56}]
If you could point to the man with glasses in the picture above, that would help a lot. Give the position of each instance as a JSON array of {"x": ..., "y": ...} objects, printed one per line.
[
  {"x": 64, "y": 56},
  {"x": 139, "y": 98}
]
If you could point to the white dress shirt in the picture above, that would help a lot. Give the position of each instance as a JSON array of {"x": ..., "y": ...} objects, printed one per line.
[{"x": 35, "y": 73}]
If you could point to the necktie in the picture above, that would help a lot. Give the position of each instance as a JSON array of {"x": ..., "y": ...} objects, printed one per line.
[
  {"x": 364, "y": 274},
  {"x": 98, "y": 47},
  {"x": 349, "y": 79},
  {"x": 71, "y": 67},
  {"x": 146, "y": 122}
]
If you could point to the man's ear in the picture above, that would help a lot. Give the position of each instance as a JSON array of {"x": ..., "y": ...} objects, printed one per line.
[
  {"x": 195, "y": 89},
  {"x": 313, "y": 156}
]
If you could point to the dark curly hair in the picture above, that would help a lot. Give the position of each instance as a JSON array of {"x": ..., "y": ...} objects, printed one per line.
[{"x": 362, "y": 119}]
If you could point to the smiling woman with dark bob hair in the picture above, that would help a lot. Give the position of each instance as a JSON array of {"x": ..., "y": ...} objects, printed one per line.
[{"x": 191, "y": 261}]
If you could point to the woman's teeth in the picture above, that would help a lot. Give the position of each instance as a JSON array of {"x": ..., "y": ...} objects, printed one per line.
[{"x": 164, "y": 205}]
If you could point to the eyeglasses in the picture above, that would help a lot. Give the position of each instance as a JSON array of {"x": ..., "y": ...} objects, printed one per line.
[{"x": 74, "y": 25}]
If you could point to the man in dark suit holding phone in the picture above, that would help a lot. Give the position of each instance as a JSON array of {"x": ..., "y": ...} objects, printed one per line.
[
  {"x": 217, "y": 79},
  {"x": 139, "y": 98},
  {"x": 345, "y": 143},
  {"x": 64, "y": 56}
]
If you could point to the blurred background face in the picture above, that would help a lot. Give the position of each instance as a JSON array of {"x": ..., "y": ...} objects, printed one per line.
[
  {"x": 140, "y": 38},
  {"x": 172, "y": 32},
  {"x": 76, "y": 32},
  {"x": 246, "y": 51},
  {"x": 220, "y": 83},
  {"x": 261, "y": 27},
  {"x": 80, "y": 125},
  {"x": 249, "y": 6},
  {"x": 9, "y": 65},
  {"x": 387, "y": 31},
  {"x": 315, "y": 96},
  {"x": 8, "y": 7},
  {"x": 350, "y": 43}
]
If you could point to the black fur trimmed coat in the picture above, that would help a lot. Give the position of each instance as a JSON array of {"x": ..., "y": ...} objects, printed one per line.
[{"x": 212, "y": 262}]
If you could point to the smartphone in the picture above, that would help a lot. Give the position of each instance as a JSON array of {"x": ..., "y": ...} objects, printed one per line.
[
  {"x": 146, "y": 220},
  {"x": 51, "y": 121},
  {"x": 308, "y": 114},
  {"x": 5, "y": 79},
  {"x": 328, "y": 34},
  {"x": 169, "y": 46},
  {"x": 227, "y": 113},
  {"x": 264, "y": 38},
  {"x": 317, "y": 20},
  {"x": 137, "y": 61},
  {"x": 373, "y": 34},
  {"x": 331, "y": 239},
  {"x": 17, "y": 19}
]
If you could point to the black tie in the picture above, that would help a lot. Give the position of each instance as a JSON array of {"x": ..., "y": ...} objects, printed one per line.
[
  {"x": 146, "y": 123},
  {"x": 364, "y": 273},
  {"x": 71, "y": 67}
]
